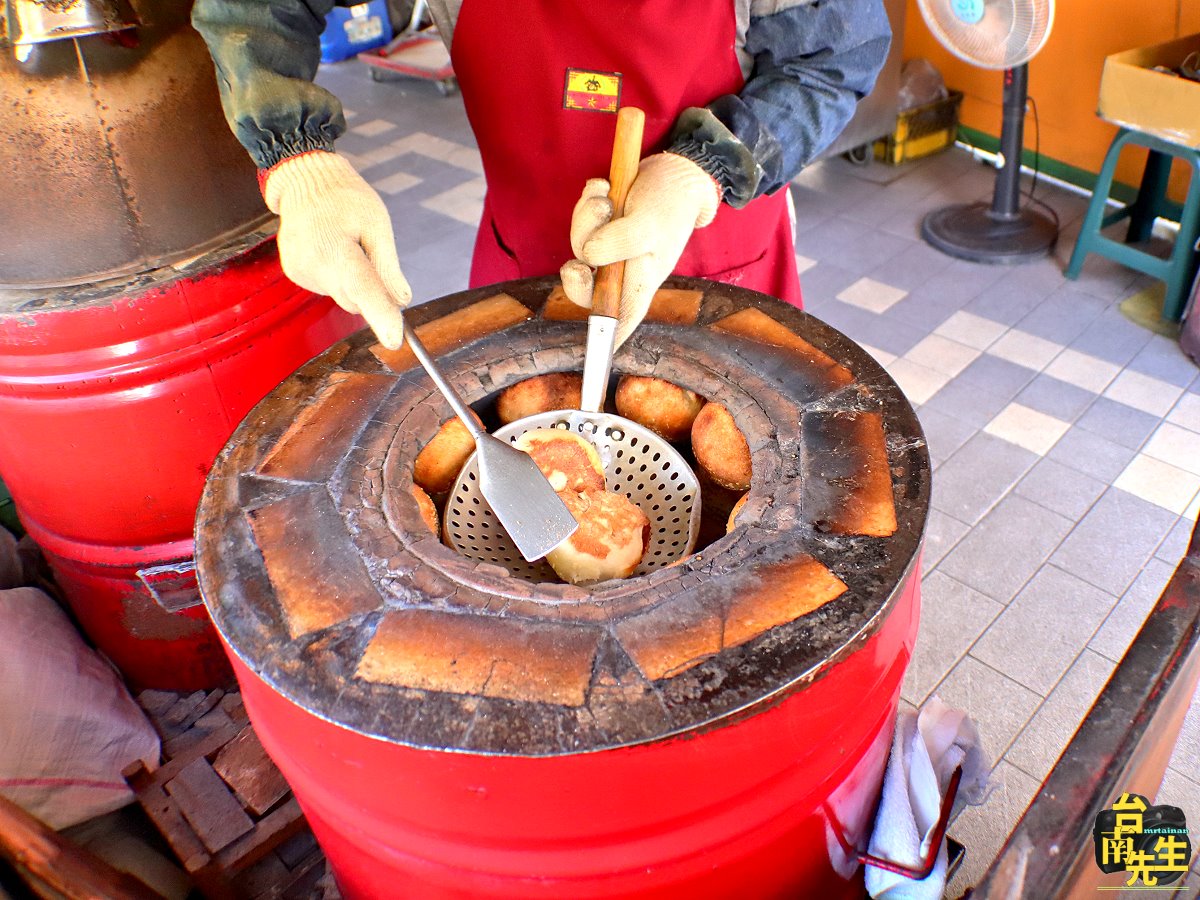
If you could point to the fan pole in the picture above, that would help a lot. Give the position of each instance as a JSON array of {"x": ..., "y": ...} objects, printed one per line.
[
  {"x": 1004, "y": 232},
  {"x": 1007, "y": 194}
]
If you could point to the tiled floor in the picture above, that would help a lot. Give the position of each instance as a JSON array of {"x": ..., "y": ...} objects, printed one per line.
[{"x": 1066, "y": 439}]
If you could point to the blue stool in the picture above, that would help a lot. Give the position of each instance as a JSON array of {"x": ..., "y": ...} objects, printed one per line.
[{"x": 1179, "y": 268}]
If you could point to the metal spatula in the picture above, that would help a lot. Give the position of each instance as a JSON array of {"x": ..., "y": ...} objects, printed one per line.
[{"x": 514, "y": 487}]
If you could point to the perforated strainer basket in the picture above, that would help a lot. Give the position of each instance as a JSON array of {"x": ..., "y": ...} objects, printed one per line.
[{"x": 637, "y": 463}]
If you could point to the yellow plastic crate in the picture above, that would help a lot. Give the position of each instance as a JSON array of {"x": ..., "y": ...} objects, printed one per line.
[{"x": 921, "y": 131}]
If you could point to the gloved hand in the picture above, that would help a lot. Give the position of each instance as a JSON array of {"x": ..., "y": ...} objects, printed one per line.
[
  {"x": 336, "y": 238},
  {"x": 669, "y": 199}
]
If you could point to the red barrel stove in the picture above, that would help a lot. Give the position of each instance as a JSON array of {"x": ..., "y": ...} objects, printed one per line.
[
  {"x": 717, "y": 728},
  {"x": 143, "y": 313}
]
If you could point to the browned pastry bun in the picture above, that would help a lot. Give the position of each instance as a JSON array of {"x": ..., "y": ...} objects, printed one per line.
[
  {"x": 720, "y": 448},
  {"x": 440, "y": 461},
  {"x": 542, "y": 393},
  {"x": 733, "y": 513},
  {"x": 568, "y": 460},
  {"x": 428, "y": 510},
  {"x": 665, "y": 408},
  {"x": 609, "y": 543}
]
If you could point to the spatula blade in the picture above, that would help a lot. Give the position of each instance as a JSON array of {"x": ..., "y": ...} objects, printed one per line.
[
  {"x": 597, "y": 362},
  {"x": 531, "y": 512}
]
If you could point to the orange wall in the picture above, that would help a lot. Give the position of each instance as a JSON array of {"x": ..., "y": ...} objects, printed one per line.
[{"x": 1064, "y": 78}]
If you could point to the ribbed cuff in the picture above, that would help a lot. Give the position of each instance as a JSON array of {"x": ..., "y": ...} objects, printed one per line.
[
  {"x": 307, "y": 169},
  {"x": 270, "y": 152},
  {"x": 701, "y": 137},
  {"x": 689, "y": 148}
]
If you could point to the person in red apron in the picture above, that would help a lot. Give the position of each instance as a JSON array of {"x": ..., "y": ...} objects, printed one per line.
[{"x": 738, "y": 95}]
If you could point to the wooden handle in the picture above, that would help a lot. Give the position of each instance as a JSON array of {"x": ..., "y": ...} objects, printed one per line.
[
  {"x": 626, "y": 154},
  {"x": 57, "y": 863}
]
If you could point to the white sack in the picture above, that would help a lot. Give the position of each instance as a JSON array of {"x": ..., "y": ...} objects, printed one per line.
[{"x": 68, "y": 726}]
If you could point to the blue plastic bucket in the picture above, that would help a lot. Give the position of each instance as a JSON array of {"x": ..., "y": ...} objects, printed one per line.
[{"x": 351, "y": 30}]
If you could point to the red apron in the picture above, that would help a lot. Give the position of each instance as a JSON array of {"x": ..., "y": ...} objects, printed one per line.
[{"x": 511, "y": 60}]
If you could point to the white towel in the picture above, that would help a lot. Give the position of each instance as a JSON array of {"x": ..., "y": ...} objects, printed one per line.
[{"x": 926, "y": 750}]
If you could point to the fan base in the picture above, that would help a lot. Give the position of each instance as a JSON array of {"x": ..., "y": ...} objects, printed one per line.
[{"x": 976, "y": 233}]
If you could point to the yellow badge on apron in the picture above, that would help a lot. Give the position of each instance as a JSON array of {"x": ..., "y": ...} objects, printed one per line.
[{"x": 592, "y": 91}]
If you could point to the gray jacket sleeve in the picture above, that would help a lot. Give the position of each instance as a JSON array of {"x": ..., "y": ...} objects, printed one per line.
[
  {"x": 812, "y": 63},
  {"x": 266, "y": 54}
]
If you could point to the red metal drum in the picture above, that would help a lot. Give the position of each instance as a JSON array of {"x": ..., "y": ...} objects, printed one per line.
[
  {"x": 718, "y": 728},
  {"x": 115, "y": 400},
  {"x": 759, "y": 808},
  {"x": 142, "y": 314}
]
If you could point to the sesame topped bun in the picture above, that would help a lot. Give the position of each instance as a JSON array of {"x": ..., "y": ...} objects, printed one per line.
[
  {"x": 568, "y": 460},
  {"x": 609, "y": 543}
]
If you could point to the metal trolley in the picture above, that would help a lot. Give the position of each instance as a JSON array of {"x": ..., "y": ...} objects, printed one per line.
[{"x": 416, "y": 52}]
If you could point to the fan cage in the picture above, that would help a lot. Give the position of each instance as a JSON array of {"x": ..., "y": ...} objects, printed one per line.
[{"x": 1010, "y": 33}]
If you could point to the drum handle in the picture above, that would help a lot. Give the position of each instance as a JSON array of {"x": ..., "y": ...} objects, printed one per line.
[{"x": 917, "y": 873}]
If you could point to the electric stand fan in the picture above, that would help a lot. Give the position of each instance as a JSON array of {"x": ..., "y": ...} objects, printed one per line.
[{"x": 994, "y": 34}]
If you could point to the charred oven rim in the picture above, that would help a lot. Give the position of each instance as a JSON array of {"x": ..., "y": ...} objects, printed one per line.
[{"x": 310, "y": 670}]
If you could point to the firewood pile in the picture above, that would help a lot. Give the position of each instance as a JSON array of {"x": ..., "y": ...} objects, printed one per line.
[{"x": 223, "y": 806}]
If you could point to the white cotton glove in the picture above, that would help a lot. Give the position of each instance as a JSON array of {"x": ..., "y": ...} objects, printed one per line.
[
  {"x": 669, "y": 199},
  {"x": 336, "y": 238}
]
